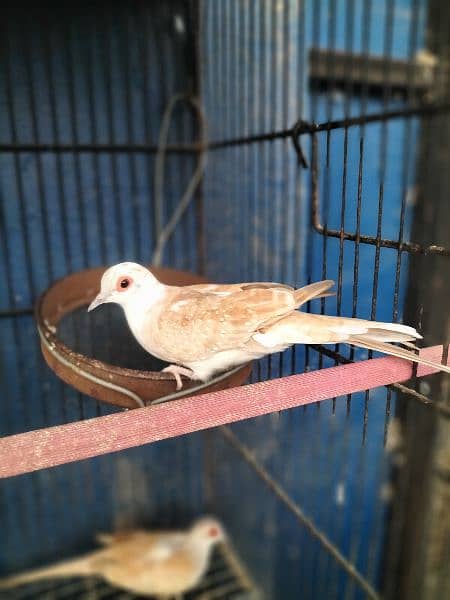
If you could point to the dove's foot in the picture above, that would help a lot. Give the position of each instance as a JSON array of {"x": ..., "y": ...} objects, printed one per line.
[{"x": 176, "y": 371}]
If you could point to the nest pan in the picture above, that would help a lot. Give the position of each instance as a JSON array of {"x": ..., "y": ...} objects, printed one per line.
[{"x": 97, "y": 354}]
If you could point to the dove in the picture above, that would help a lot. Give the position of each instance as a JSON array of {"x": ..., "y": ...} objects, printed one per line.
[
  {"x": 206, "y": 328},
  {"x": 160, "y": 563}
]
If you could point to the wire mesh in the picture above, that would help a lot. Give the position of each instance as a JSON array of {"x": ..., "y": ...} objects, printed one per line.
[
  {"x": 82, "y": 92},
  {"x": 225, "y": 578},
  {"x": 361, "y": 190}
]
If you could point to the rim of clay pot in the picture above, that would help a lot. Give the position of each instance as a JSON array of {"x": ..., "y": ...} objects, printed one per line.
[{"x": 120, "y": 386}]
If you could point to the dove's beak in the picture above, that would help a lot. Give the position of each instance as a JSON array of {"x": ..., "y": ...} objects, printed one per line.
[{"x": 99, "y": 299}]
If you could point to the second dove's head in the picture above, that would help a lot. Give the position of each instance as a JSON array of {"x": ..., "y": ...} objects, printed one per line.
[
  {"x": 207, "y": 531},
  {"x": 123, "y": 283}
]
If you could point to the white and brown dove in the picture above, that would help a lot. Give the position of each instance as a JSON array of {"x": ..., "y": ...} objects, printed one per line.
[
  {"x": 159, "y": 563},
  {"x": 206, "y": 328}
]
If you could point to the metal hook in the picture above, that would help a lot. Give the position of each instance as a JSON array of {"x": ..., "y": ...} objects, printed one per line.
[{"x": 299, "y": 128}]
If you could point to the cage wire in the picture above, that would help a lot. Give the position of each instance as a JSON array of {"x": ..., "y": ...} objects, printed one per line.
[{"x": 320, "y": 500}]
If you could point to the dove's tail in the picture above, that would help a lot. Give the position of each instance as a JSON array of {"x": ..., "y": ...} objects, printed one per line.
[
  {"x": 76, "y": 567},
  {"x": 370, "y": 343},
  {"x": 304, "y": 328},
  {"x": 377, "y": 336}
]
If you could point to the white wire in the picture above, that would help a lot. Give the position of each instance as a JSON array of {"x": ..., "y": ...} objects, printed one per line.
[
  {"x": 107, "y": 384},
  {"x": 126, "y": 392},
  {"x": 164, "y": 232}
]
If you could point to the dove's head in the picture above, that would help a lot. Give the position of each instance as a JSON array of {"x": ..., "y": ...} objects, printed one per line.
[
  {"x": 207, "y": 532},
  {"x": 127, "y": 284}
]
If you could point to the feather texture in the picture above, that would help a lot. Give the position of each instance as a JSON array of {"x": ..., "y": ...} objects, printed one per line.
[
  {"x": 206, "y": 328},
  {"x": 140, "y": 561}
]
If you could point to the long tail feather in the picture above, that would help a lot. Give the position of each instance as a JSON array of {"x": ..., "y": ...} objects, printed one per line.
[
  {"x": 368, "y": 343},
  {"x": 387, "y": 335},
  {"x": 69, "y": 568}
]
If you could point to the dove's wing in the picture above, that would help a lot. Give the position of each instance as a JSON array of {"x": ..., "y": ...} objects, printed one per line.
[
  {"x": 165, "y": 546},
  {"x": 137, "y": 548},
  {"x": 196, "y": 321}
]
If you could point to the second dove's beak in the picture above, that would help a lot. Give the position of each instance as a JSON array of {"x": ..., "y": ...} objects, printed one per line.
[{"x": 96, "y": 302}]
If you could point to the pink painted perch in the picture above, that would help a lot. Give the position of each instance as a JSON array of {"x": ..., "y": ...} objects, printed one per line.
[{"x": 53, "y": 446}]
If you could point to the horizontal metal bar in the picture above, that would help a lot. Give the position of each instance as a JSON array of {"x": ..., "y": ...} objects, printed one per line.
[
  {"x": 16, "y": 312},
  {"x": 376, "y": 73},
  {"x": 419, "y": 110},
  {"x": 359, "y": 238},
  {"x": 300, "y": 128},
  {"x": 96, "y": 148},
  {"x": 410, "y": 247}
]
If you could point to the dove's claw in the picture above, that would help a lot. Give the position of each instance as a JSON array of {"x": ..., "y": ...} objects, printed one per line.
[{"x": 176, "y": 371}]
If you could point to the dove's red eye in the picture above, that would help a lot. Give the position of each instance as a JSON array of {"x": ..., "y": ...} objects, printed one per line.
[
  {"x": 213, "y": 532},
  {"x": 123, "y": 283}
]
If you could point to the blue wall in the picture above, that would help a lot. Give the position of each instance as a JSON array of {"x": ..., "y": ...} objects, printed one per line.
[{"x": 104, "y": 74}]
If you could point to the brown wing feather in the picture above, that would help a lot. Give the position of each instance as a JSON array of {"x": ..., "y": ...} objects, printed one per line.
[{"x": 200, "y": 320}]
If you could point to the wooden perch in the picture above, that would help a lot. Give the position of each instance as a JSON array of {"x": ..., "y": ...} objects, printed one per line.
[{"x": 43, "y": 448}]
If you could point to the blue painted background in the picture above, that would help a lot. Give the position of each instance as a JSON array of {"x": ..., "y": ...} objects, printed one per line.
[{"x": 103, "y": 73}]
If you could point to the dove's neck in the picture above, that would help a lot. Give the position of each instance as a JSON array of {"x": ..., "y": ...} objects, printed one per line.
[
  {"x": 140, "y": 303},
  {"x": 199, "y": 552}
]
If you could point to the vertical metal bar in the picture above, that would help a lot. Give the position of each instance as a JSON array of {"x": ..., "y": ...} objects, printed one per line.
[
  {"x": 43, "y": 209},
  {"x": 416, "y": 566},
  {"x": 384, "y": 144},
  {"x": 405, "y": 179},
  {"x": 59, "y": 492},
  {"x": 80, "y": 199},
  {"x": 127, "y": 73},
  {"x": 234, "y": 75},
  {"x": 98, "y": 192},
  {"x": 79, "y": 190},
  {"x": 277, "y": 119},
  {"x": 298, "y": 258},
  {"x": 255, "y": 152},
  {"x": 326, "y": 209},
  {"x": 349, "y": 47},
  {"x": 341, "y": 238},
  {"x": 247, "y": 216},
  {"x": 264, "y": 365},
  {"x": 140, "y": 25},
  {"x": 47, "y": 53},
  {"x": 288, "y": 196},
  {"x": 105, "y": 50},
  {"x": 28, "y": 523},
  {"x": 366, "y": 36},
  {"x": 198, "y": 50}
]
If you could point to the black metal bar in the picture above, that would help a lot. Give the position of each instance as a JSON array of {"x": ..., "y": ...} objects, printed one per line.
[
  {"x": 127, "y": 71},
  {"x": 79, "y": 193},
  {"x": 412, "y": 111},
  {"x": 106, "y": 58},
  {"x": 97, "y": 148},
  {"x": 308, "y": 128},
  {"x": 366, "y": 72},
  {"x": 144, "y": 52},
  {"x": 387, "y": 91},
  {"x": 400, "y": 245}
]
